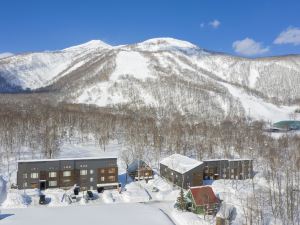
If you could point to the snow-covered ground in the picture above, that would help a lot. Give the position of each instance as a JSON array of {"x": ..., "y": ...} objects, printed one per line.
[
  {"x": 19, "y": 205},
  {"x": 113, "y": 214}
]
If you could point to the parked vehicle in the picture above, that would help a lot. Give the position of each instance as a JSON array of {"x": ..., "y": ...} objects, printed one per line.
[
  {"x": 42, "y": 200},
  {"x": 89, "y": 195},
  {"x": 100, "y": 189},
  {"x": 76, "y": 190}
]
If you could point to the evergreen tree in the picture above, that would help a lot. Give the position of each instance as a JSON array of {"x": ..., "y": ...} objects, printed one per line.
[{"x": 181, "y": 202}]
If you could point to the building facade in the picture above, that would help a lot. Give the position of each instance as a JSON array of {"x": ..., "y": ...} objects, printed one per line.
[
  {"x": 202, "y": 200},
  {"x": 139, "y": 170},
  {"x": 186, "y": 172},
  {"x": 237, "y": 169},
  {"x": 88, "y": 173},
  {"x": 182, "y": 170}
]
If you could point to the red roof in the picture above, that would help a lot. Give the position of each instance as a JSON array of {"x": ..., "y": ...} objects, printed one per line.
[{"x": 204, "y": 195}]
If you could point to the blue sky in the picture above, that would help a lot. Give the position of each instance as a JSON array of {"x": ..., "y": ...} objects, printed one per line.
[{"x": 250, "y": 28}]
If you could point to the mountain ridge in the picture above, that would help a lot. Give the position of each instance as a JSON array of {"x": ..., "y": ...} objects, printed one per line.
[{"x": 162, "y": 73}]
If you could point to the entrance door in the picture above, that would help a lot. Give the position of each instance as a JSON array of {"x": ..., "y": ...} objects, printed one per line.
[{"x": 42, "y": 184}]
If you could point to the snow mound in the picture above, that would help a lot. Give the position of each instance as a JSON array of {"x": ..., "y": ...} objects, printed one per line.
[
  {"x": 15, "y": 199},
  {"x": 135, "y": 193}
]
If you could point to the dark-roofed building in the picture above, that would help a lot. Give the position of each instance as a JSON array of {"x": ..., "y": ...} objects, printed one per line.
[
  {"x": 288, "y": 125},
  {"x": 139, "y": 170},
  {"x": 88, "y": 173},
  {"x": 182, "y": 170},
  {"x": 203, "y": 200},
  {"x": 228, "y": 169}
]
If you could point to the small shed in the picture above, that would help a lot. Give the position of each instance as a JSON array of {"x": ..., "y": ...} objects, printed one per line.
[
  {"x": 203, "y": 200},
  {"x": 139, "y": 170}
]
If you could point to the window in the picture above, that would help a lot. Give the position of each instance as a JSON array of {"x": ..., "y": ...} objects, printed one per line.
[
  {"x": 52, "y": 174},
  {"x": 232, "y": 176},
  {"x": 67, "y": 173},
  {"x": 91, "y": 188},
  {"x": 25, "y": 185},
  {"x": 52, "y": 183},
  {"x": 91, "y": 171},
  {"x": 224, "y": 170},
  {"x": 102, "y": 178},
  {"x": 232, "y": 170},
  {"x": 111, "y": 178},
  {"x": 24, "y": 175},
  {"x": 34, "y": 175},
  {"x": 91, "y": 179},
  {"x": 83, "y": 172},
  {"x": 34, "y": 185},
  {"x": 67, "y": 180},
  {"x": 102, "y": 171},
  {"x": 224, "y": 176},
  {"x": 111, "y": 170}
]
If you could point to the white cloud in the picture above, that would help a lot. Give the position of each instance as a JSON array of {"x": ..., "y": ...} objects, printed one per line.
[
  {"x": 289, "y": 36},
  {"x": 215, "y": 23},
  {"x": 5, "y": 54},
  {"x": 249, "y": 47}
]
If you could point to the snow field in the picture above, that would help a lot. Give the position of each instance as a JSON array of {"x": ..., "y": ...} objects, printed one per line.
[{"x": 113, "y": 214}]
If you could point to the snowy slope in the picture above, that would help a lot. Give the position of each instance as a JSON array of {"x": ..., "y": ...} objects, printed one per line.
[
  {"x": 35, "y": 70},
  {"x": 162, "y": 73},
  {"x": 258, "y": 109}
]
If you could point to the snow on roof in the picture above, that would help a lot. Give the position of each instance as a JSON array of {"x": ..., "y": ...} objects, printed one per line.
[
  {"x": 212, "y": 160},
  {"x": 64, "y": 159},
  {"x": 180, "y": 163},
  {"x": 244, "y": 159}
]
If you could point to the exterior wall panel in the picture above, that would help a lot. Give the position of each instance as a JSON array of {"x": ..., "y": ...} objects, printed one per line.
[{"x": 88, "y": 179}]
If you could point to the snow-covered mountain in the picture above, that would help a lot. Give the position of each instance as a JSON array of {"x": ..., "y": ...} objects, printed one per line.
[{"x": 165, "y": 73}]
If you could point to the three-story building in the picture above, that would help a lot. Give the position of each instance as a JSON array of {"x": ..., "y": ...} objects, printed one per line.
[{"x": 88, "y": 173}]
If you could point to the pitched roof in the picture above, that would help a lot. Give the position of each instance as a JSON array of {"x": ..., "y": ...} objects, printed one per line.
[
  {"x": 203, "y": 195},
  {"x": 136, "y": 164},
  {"x": 180, "y": 163}
]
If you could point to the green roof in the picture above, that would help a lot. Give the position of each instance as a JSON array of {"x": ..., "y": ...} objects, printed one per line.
[{"x": 291, "y": 124}]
